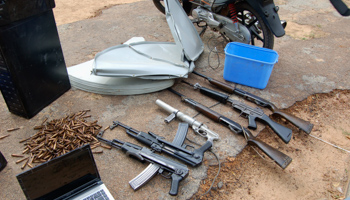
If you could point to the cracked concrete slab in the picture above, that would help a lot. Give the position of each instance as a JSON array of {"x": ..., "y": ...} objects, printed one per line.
[{"x": 305, "y": 66}]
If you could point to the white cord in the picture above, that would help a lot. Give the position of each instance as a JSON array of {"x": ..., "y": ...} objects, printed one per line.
[{"x": 330, "y": 143}]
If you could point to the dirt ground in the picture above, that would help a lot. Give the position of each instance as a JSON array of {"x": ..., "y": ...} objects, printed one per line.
[
  {"x": 318, "y": 170},
  {"x": 71, "y": 11}
]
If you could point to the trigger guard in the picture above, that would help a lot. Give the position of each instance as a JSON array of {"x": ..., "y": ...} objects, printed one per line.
[{"x": 197, "y": 130}]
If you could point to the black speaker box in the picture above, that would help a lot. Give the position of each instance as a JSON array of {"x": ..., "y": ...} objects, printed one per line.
[
  {"x": 3, "y": 162},
  {"x": 33, "y": 72}
]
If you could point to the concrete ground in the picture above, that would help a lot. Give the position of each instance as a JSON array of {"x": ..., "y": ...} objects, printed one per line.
[{"x": 313, "y": 61}]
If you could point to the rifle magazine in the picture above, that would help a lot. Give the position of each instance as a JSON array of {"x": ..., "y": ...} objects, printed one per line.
[
  {"x": 181, "y": 134},
  {"x": 144, "y": 176}
]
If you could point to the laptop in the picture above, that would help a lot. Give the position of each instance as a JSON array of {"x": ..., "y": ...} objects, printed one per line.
[{"x": 73, "y": 175}]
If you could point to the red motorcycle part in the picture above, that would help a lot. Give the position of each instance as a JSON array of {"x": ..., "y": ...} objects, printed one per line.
[{"x": 233, "y": 12}]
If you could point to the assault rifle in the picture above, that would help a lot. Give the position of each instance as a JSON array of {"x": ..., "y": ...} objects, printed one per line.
[
  {"x": 160, "y": 164},
  {"x": 175, "y": 149},
  {"x": 280, "y": 158},
  {"x": 251, "y": 113},
  {"x": 300, "y": 123}
]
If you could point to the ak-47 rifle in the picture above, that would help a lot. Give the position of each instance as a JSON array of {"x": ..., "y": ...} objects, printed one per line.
[
  {"x": 175, "y": 148},
  {"x": 300, "y": 123},
  {"x": 159, "y": 164},
  {"x": 251, "y": 113},
  {"x": 280, "y": 158}
]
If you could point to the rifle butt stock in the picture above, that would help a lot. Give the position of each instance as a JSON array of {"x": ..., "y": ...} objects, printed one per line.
[
  {"x": 280, "y": 158},
  {"x": 341, "y": 7},
  {"x": 300, "y": 123}
]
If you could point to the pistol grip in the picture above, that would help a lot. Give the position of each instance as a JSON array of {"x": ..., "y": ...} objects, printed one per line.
[
  {"x": 203, "y": 148},
  {"x": 283, "y": 132},
  {"x": 251, "y": 122},
  {"x": 175, "y": 181}
]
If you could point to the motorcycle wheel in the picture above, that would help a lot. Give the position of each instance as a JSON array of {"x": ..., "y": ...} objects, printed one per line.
[
  {"x": 159, "y": 5},
  {"x": 261, "y": 35}
]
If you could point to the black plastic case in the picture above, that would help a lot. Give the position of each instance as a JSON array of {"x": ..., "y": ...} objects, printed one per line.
[
  {"x": 14, "y": 10},
  {"x": 32, "y": 68},
  {"x": 3, "y": 162}
]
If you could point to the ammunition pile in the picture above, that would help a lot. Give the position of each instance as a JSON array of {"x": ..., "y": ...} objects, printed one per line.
[{"x": 59, "y": 136}]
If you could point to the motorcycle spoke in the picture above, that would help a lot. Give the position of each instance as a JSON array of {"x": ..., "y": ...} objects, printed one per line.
[
  {"x": 241, "y": 17},
  {"x": 251, "y": 26},
  {"x": 259, "y": 32},
  {"x": 252, "y": 23},
  {"x": 256, "y": 35},
  {"x": 244, "y": 19}
]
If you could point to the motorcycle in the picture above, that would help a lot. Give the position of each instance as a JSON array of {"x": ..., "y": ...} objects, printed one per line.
[{"x": 254, "y": 22}]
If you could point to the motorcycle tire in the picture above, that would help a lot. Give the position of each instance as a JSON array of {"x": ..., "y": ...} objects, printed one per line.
[
  {"x": 261, "y": 35},
  {"x": 159, "y": 5},
  {"x": 186, "y": 5}
]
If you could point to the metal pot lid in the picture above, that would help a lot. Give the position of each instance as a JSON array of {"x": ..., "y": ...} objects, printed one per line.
[{"x": 183, "y": 31}]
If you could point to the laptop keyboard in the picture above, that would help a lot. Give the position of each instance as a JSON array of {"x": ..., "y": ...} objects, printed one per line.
[{"x": 99, "y": 195}]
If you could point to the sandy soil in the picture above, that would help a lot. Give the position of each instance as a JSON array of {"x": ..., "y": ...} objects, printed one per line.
[
  {"x": 71, "y": 11},
  {"x": 318, "y": 170}
]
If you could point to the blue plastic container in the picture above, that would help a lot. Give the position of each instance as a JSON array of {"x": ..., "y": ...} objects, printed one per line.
[{"x": 248, "y": 65}]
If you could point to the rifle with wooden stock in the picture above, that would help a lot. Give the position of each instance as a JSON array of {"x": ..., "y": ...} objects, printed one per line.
[
  {"x": 247, "y": 111},
  {"x": 280, "y": 158},
  {"x": 300, "y": 123}
]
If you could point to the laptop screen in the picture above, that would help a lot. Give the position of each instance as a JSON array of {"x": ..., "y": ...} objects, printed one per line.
[{"x": 60, "y": 175}]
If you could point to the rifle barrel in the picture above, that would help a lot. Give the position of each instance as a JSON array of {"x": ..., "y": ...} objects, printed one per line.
[{"x": 201, "y": 75}]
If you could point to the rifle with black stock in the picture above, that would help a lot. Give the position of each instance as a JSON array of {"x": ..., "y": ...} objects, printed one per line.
[
  {"x": 280, "y": 158},
  {"x": 251, "y": 113},
  {"x": 159, "y": 164},
  {"x": 176, "y": 148},
  {"x": 300, "y": 123}
]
